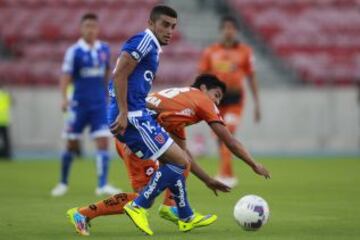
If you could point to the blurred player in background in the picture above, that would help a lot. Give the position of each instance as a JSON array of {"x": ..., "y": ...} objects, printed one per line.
[
  {"x": 175, "y": 109},
  {"x": 5, "y": 122},
  {"x": 86, "y": 65},
  {"x": 232, "y": 62}
]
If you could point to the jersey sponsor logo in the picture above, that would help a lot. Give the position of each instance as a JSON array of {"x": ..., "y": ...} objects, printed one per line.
[
  {"x": 153, "y": 185},
  {"x": 92, "y": 72},
  {"x": 181, "y": 196},
  {"x": 149, "y": 76},
  {"x": 160, "y": 138}
]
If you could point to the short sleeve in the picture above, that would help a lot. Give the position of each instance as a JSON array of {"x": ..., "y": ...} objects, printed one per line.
[
  {"x": 69, "y": 60},
  {"x": 138, "y": 46},
  {"x": 209, "y": 112},
  {"x": 205, "y": 61},
  {"x": 249, "y": 66}
]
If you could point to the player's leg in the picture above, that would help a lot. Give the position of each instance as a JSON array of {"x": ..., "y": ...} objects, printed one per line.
[
  {"x": 100, "y": 133},
  {"x": 74, "y": 125},
  {"x": 231, "y": 115},
  {"x": 147, "y": 139},
  {"x": 187, "y": 218},
  {"x": 80, "y": 217},
  {"x": 140, "y": 172}
]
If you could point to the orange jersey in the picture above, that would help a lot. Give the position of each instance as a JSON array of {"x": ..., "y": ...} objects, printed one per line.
[
  {"x": 230, "y": 65},
  {"x": 181, "y": 107}
]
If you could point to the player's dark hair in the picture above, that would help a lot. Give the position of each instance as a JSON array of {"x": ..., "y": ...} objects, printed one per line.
[
  {"x": 210, "y": 81},
  {"x": 91, "y": 16},
  {"x": 159, "y": 10},
  {"x": 230, "y": 19}
]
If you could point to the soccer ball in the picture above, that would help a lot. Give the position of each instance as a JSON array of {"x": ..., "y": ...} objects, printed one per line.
[{"x": 251, "y": 212}]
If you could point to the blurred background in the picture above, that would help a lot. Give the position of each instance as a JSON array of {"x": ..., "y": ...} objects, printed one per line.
[{"x": 307, "y": 63}]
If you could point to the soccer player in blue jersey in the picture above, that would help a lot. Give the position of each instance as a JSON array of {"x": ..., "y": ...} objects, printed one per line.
[
  {"x": 133, "y": 124},
  {"x": 86, "y": 66}
]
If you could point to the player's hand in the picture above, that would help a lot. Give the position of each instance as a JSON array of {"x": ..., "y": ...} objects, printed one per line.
[
  {"x": 261, "y": 170},
  {"x": 215, "y": 186},
  {"x": 65, "y": 104},
  {"x": 120, "y": 124},
  {"x": 257, "y": 114}
]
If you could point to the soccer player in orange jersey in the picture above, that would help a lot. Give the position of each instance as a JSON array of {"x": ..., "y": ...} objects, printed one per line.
[
  {"x": 232, "y": 62},
  {"x": 175, "y": 109}
]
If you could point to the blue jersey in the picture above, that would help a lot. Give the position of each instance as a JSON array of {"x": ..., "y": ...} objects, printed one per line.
[
  {"x": 144, "y": 48},
  {"x": 88, "y": 66}
]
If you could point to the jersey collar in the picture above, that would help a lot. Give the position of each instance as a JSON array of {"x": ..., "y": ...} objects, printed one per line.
[
  {"x": 156, "y": 41},
  {"x": 86, "y": 47}
]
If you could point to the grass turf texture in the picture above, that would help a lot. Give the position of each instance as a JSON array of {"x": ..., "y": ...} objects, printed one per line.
[{"x": 309, "y": 198}]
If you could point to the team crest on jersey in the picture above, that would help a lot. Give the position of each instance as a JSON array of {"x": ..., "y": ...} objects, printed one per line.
[{"x": 160, "y": 138}]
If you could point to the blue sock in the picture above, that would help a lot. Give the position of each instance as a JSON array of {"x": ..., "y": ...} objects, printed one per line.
[
  {"x": 66, "y": 160},
  {"x": 102, "y": 167},
  {"x": 168, "y": 175},
  {"x": 180, "y": 196}
]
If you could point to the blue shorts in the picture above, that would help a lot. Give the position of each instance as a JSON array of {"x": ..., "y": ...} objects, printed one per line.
[
  {"x": 80, "y": 116},
  {"x": 144, "y": 135}
]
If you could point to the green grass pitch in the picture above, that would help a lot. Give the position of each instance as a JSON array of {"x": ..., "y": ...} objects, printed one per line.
[{"x": 309, "y": 198}]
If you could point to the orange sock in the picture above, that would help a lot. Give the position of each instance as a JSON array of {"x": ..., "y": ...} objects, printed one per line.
[
  {"x": 225, "y": 162},
  {"x": 112, "y": 205},
  {"x": 168, "y": 200}
]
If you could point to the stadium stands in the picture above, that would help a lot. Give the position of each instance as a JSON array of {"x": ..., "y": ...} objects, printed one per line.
[
  {"x": 318, "y": 38},
  {"x": 38, "y": 32}
]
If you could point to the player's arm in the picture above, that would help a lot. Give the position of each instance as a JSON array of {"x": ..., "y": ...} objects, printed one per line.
[
  {"x": 125, "y": 65},
  {"x": 107, "y": 70},
  {"x": 200, "y": 173},
  {"x": 238, "y": 149},
  {"x": 255, "y": 93},
  {"x": 65, "y": 81},
  {"x": 251, "y": 76},
  {"x": 68, "y": 69}
]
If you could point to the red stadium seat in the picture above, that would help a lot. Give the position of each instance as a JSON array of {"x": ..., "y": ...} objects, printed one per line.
[
  {"x": 40, "y": 31},
  {"x": 319, "y": 38}
]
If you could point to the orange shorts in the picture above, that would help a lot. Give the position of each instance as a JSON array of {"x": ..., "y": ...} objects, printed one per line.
[
  {"x": 139, "y": 171},
  {"x": 232, "y": 114}
]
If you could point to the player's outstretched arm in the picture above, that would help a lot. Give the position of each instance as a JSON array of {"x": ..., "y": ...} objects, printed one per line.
[
  {"x": 210, "y": 182},
  {"x": 238, "y": 149},
  {"x": 125, "y": 65},
  {"x": 199, "y": 172}
]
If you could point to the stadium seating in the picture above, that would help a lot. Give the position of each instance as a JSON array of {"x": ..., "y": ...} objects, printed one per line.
[
  {"x": 39, "y": 31},
  {"x": 318, "y": 38}
]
